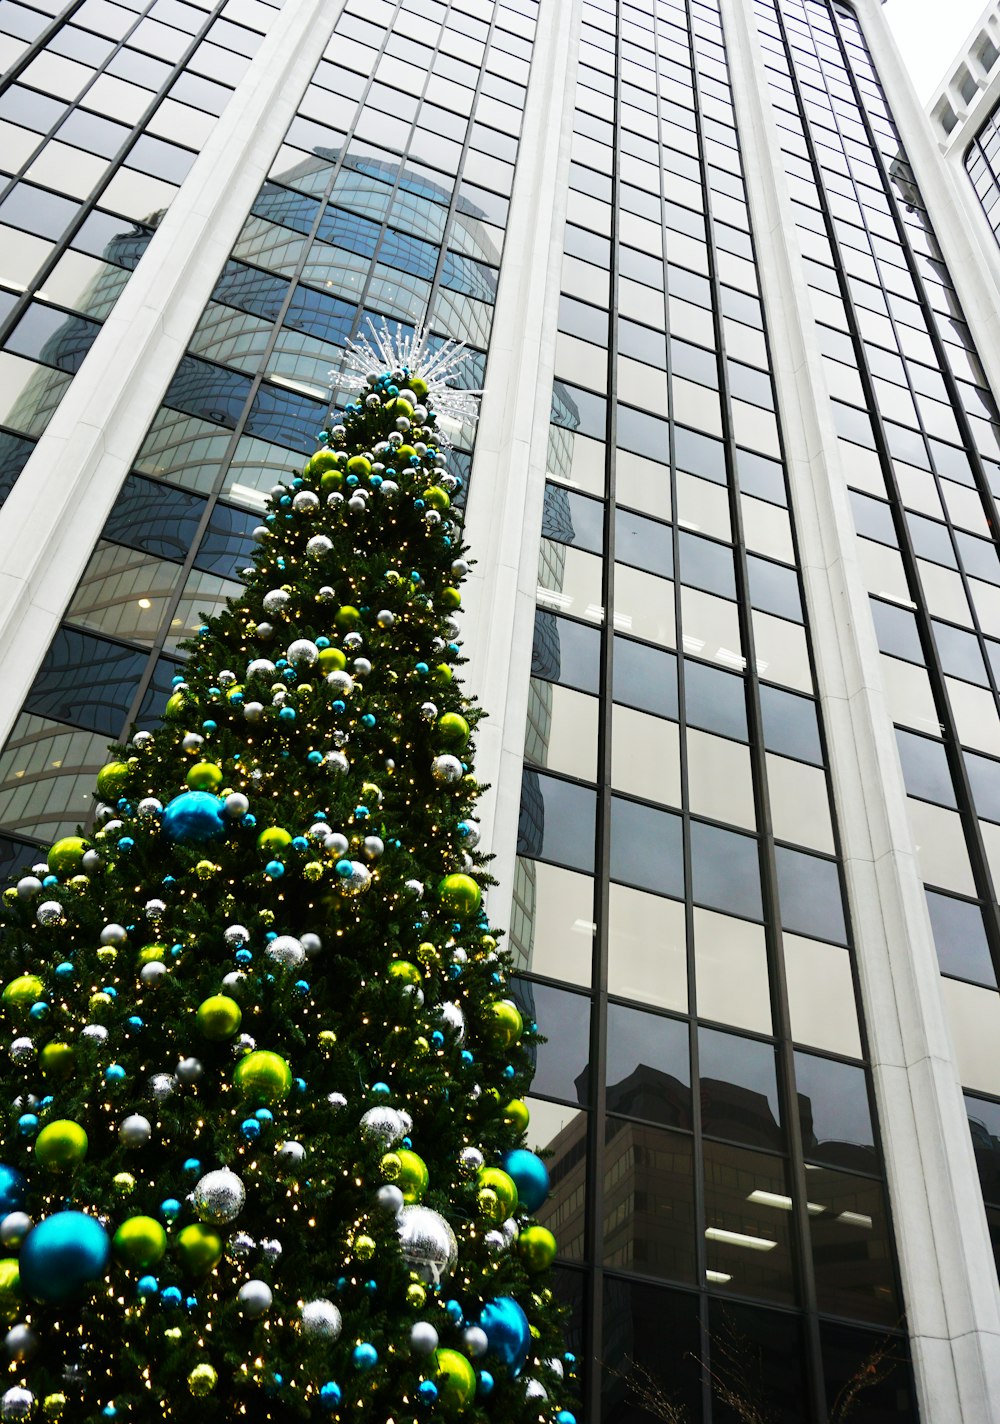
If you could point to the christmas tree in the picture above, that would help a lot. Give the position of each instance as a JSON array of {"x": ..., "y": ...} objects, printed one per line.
[{"x": 264, "y": 1082}]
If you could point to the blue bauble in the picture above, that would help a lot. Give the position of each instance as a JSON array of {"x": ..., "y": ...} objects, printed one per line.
[
  {"x": 531, "y": 1177},
  {"x": 62, "y": 1254},
  {"x": 12, "y": 1188},
  {"x": 364, "y": 1356},
  {"x": 507, "y": 1330},
  {"x": 193, "y": 816}
]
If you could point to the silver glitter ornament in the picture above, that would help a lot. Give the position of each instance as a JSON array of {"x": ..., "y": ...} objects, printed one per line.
[
  {"x": 302, "y": 653},
  {"x": 240, "y": 1246},
  {"x": 471, "y": 834},
  {"x": 142, "y": 739},
  {"x": 16, "y": 1403},
  {"x": 452, "y": 1017},
  {"x": 321, "y": 1320},
  {"x": 556, "y": 1366},
  {"x": 287, "y": 950},
  {"x": 260, "y": 667},
  {"x": 353, "y": 640},
  {"x": 162, "y": 1086},
  {"x": 534, "y": 1389},
  {"x": 423, "y": 1338},
  {"x": 254, "y": 1298},
  {"x": 414, "y": 888},
  {"x": 149, "y": 808},
  {"x": 340, "y": 683},
  {"x": 49, "y": 912},
  {"x": 427, "y": 1243},
  {"x": 155, "y": 909},
  {"x": 271, "y": 1251},
  {"x": 21, "y": 1049},
  {"x": 275, "y": 600},
  {"x": 336, "y": 1101},
  {"x": 337, "y": 763},
  {"x": 135, "y": 1131},
  {"x": 429, "y": 711},
  {"x": 219, "y": 1197},
  {"x": 236, "y": 936},
  {"x": 357, "y": 882},
  {"x": 97, "y": 1033},
  {"x": 446, "y": 770},
  {"x": 191, "y": 741},
  {"x": 382, "y": 1125},
  {"x": 305, "y": 502}
]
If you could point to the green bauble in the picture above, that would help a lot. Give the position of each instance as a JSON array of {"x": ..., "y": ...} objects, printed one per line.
[
  {"x": 275, "y": 838},
  {"x": 346, "y": 618},
  {"x": 111, "y": 780},
  {"x": 453, "y": 731},
  {"x": 460, "y": 894},
  {"x": 537, "y": 1248},
  {"x": 413, "y": 1175},
  {"x": 506, "y": 1021},
  {"x": 61, "y": 1145},
  {"x": 331, "y": 480},
  {"x": 65, "y": 856},
  {"x": 140, "y": 1242},
  {"x": 455, "y": 1379},
  {"x": 495, "y": 1179},
  {"x": 263, "y": 1077},
  {"x": 451, "y": 598},
  {"x": 418, "y": 386},
  {"x": 22, "y": 992},
  {"x": 405, "y": 972},
  {"x": 441, "y": 674},
  {"x": 359, "y": 465},
  {"x": 58, "y": 1061},
  {"x": 10, "y": 1289},
  {"x": 331, "y": 660},
  {"x": 175, "y": 706},
  {"x": 219, "y": 1017},
  {"x": 437, "y": 498},
  {"x": 404, "y": 454},
  {"x": 320, "y": 462},
  {"x": 199, "y": 1249},
  {"x": 517, "y": 1114},
  {"x": 204, "y": 776}
]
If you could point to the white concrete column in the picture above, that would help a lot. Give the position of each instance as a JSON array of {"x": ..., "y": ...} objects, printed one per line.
[
  {"x": 949, "y": 1286},
  {"x": 504, "y": 517},
  {"x": 60, "y": 501}
]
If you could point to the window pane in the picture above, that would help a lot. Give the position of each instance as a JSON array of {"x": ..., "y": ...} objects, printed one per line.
[
  {"x": 748, "y": 1223},
  {"x": 725, "y": 870},
  {"x": 646, "y": 848},
  {"x": 852, "y": 1253},
  {"x": 834, "y": 1113},
  {"x": 648, "y": 1070},
  {"x": 552, "y": 921},
  {"x": 738, "y": 1089},
  {"x": 562, "y": 1063},
  {"x": 647, "y": 958},
  {"x": 557, "y": 821},
  {"x": 960, "y": 939},
  {"x": 810, "y": 895},
  {"x": 649, "y": 1222},
  {"x": 566, "y": 652}
]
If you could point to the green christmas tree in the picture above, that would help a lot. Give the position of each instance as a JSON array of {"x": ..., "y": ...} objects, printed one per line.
[{"x": 263, "y": 1080}]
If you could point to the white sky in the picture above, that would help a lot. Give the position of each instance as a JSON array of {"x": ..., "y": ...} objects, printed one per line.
[{"x": 929, "y": 33}]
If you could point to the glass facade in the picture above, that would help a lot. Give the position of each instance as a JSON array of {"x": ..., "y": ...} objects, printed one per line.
[
  {"x": 679, "y": 912},
  {"x": 920, "y": 434},
  {"x": 982, "y": 163}
]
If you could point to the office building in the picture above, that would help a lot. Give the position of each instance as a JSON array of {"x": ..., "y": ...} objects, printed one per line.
[{"x": 736, "y": 613}]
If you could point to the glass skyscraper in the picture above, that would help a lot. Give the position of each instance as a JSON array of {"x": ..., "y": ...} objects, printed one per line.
[{"x": 736, "y": 612}]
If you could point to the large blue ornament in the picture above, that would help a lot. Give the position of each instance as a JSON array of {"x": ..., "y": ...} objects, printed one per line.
[
  {"x": 62, "y": 1254},
  {"x": 531, "y": 1177},
  {"x": 193, "y": 816},
  {"x": 507, "y": 1331},
  {"x": 12, "y": 1187}
]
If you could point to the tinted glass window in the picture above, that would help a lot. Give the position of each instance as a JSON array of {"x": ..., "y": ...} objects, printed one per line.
[
  {"x": 87, "y": 682},
  {"x": 646, "y": 848},
  {"x": 562, "y": 1064},
  {"x": 791, "y": 725},
  {"x": 715, "y": 700},
  {"x": 738, "y": 1088},
  {"x": 557, "y": 821},
  {"x": 566, "y": 652},
  {"x": 834, "y": 1113},
  {"x": 645, "y": 677},
  {"x": 648, "y": 1071},
  {"x": 725, "y": 869},
  {"x": 960, "y": 938},
  {"x": 809, "y": 889}
]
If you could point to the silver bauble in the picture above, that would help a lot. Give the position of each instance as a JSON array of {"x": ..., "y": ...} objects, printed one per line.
[
  {"x": 97, "y": 1033},
  {"x": 14, "y": 1228},
  {"x": 254, "y": 1298},
  {"x": 275, "y": 600},
  {"x": 302, "y": 653},
  {"x": 414, "y": 888},
  {"x": 385, "y": 618},
  {"x": 260, "y": 667},
  {"x": 189, "y": 1070},
  {"x": 235, "y": 982},
  {"x": 470, "y": 1160},
  {"x": 374, "y": 847},
  {"x": 337, "y": 763},
  {"x": 27, "y": 885},
  {"x": 260, "y": 534},
  {"x": 556, "y": 1366},
  {"x": 219, "y": 1197},
  {"x": 453, "y": 1017},
  {"x": 155, "y": 909},
  {"x": 427, "y": 1243},
  {"x": 389, "y": 1199},
  {"x": 357, "y": 882},
  {"x": 253, "y": 711},
  {"x": 290, "y": 1154},
  {"x": 423, "y": 1338},
  {"x": 495, "y": 1242},
  {"x": 49, "y": 912},
  {"x": 21, "y": 1342},
  {"x": 326, "y": 594},
  {"x": 382, "y": 1125},
  {"x": 353, "y": 640},
  {"x": 446, "y": 769},
  {"x": 149, "y": 808},
  {"x": 459, "y": 568},
  {"x": 191, "y": 741},
  {"x": 341, "y": 683},
  {"x": 236, "y": 936},
  {"x": 270, "y": 1249},
  {"x": 236, "y": 805},
  {"x": 162, "y": 1086},
  {"x": 135, "y": 1131},
  {"x": 239, "y": 1246},
  {"x": 311, "y": 943},
  {"x": 321, "y": 1320},
  {"x": 511, "y": 1230},
  {"x": 429, "y": 711},
  {"x": 362, "y": 667},
  {"x": 475, "y": 1342},
  {"x": 142, "y": 739},
  {"x": 305, "y": 501},
  {"x": 388, "y": 489},
  {"x": 287, "y": 950},
  {"x": 336, "y": 1101},
  {"x": 336, "y": 843},
  {"x": 152, "y": 972},
  {"x": 534, "y": 1389},
  {"x": 21, "y": 1049},
  {"x": 16, "y": 1403},
  {"x": 472, "y": 833}
]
